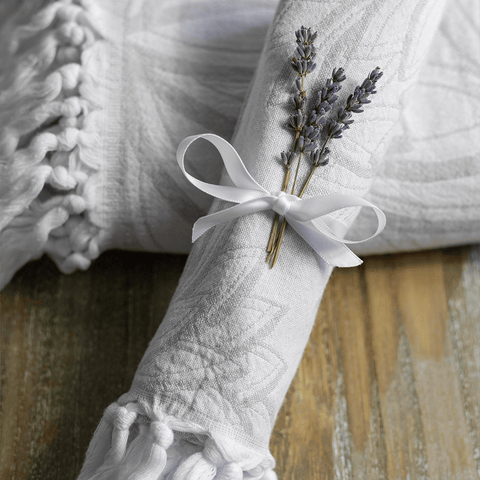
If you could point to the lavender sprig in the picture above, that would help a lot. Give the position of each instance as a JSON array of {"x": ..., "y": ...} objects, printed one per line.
[
  {"x": 308, "y": 127},
  {"x": 354, "y": 103},
  {"x": 304, "y": 139},
  {"x": 336, "y": 126}
]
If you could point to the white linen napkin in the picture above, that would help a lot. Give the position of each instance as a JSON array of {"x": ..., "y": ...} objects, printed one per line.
[{"x": 207, "y": 391}]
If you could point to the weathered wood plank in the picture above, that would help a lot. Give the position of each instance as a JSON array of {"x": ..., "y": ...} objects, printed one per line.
[
  {"x": 401, "y": 371},
  {"x": 388, "y": 387}
]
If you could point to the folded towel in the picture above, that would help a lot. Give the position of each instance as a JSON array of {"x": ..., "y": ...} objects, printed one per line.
[{"x": 206, "y": 394}]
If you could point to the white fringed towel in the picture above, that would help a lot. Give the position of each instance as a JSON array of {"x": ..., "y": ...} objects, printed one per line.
[{"x": 207, "y": 391}]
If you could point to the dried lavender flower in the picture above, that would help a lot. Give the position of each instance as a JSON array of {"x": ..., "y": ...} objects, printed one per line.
[
  {"x": 334, "y": 129},
  {"x": 305, "y": 35},
  {"x": 326, "y": 97},
  {"x": 309, "y": 145},
  {"x": 358, "y": 98},
  {"x": 297, "y": 121},
  {"x": 287, "y": 159},
  {"x": 305, "y": 64},
  {"x": 319, "y": 158},
  {"x": 303, "y": 67},
  {"x": 311, "y": 132},
  {"x": 298, "y": 102},
  {"x": 338, "y": 75},
  {"x": 300, "y": 143}
]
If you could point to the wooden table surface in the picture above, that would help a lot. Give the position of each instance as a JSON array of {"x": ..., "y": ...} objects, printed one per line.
[{"x": 388, "y": 388}]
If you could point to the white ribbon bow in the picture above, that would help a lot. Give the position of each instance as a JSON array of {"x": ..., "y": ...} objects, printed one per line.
[{"x": 309, "y": 217}]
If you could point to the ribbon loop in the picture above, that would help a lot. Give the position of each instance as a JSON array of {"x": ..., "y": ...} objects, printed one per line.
[{"x": 310, "y": 217}]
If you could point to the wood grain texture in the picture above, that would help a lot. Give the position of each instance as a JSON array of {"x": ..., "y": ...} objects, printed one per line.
[{"x": 388, "y": 387}]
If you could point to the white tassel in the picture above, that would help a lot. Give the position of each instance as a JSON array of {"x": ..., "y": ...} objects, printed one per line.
[
  {"x": 230, "y": 471},
  {"x": 207, "y": 465},
  {"x": 133, "y": 456},
  {"x": 99, "y": 445},
  {"x": 154, "y": 457},
  {"x": 123, "y": 420},
  {"x": 177, "y": 452},
  {"x": 196, "y": 466},
  {"x": 269, "y": 475}
]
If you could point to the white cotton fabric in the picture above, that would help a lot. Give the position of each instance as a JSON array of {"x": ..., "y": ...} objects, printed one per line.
[
  {"x": 96, "y": 96},
  {"x": 233, "y": 336}
]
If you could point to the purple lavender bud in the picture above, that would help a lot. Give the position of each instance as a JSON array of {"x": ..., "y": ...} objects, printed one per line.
[
  {"x": 338, "y": 75},
  {"x": 312, "y": 118},
  {"x": 287, "y": 159},
  {"x": 325, "y": 106},
  {"x": 304, "y": 32},
  {"x": 315, "y": 135},
  {"x": 296, "y": 65},
  {"x": 304, "y": 66},
  {"x": 298, "y": 84},
  {"x": 320, "y": 160},
  {"x": 309, "y": 145},
  {"x": 332, "y": 100},
  {"x": 356, "y": 109},
  {"x": 297, "y": 102},
  {"x": 297, "y": 120},
  {"x": 300, "y": 143},
  {"x": 300, "y": 51},
  {"x": 343, "y": 114},
  {"x": 334, "y": 128},
  {"x": 311, "y": 67},
  {"x": 307, "y": 131},
  {"x": 376, "y": 74}
]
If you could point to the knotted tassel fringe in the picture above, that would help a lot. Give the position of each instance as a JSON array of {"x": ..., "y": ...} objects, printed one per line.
[
  {"x": 159, "y": 451},
  {"x": 51, "y": 121}
]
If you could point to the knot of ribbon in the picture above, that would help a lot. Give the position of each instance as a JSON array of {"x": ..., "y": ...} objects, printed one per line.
[{"x": 309, "y": 217}]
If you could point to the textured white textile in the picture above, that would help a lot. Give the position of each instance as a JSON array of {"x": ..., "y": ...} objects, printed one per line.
[
  {"x": 224, "y": 356},
  {"x": 96, "y": 97},
  {"x": 92, "y": 125}
]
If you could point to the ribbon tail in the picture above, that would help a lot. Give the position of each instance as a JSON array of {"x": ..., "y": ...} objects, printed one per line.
[
  {"x": 208, "y": 221},
  {"x": 334, "y": 252}
]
